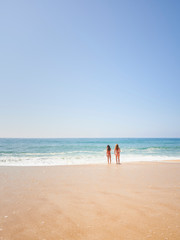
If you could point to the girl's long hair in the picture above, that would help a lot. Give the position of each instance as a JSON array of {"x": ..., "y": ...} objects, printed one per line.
[
  {"x": 108, "y": 148},
  {"x": 116, "y": 147}
]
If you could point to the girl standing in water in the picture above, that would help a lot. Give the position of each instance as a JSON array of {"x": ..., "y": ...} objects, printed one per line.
[
  {"x": 108, "y": 154},
  {"x": 117, "y": 153}
]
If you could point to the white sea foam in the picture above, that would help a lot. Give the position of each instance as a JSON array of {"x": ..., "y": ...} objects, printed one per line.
[{"x": 77, "y": 160}]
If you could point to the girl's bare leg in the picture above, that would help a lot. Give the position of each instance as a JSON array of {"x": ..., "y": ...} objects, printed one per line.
[
  {"x": 110, "y": 158},
  {"x": 119, "y": 158}
]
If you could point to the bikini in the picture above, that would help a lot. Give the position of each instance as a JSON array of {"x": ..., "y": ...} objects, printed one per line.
[{"x": 108, "y": 152}]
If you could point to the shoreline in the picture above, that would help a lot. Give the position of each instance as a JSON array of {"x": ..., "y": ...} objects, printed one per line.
[
  {"x": 77, "y": 202},
  {"x": 97, "y": 164}
]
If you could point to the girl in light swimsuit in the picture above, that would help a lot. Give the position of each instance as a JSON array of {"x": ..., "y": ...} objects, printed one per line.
[
  {"x": 108, "y": 154},
  {"x": 117, "y": 153}
]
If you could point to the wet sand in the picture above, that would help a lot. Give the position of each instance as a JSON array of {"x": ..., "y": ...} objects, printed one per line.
[{"x": 105, "y": 202}]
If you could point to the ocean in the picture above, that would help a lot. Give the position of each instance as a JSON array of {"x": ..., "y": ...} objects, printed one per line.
[{"x": 75, "y": 151}]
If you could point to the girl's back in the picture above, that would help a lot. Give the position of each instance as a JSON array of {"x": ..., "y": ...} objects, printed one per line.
[
  {"x": 108, "y": 150},
  {"x": 117, "y": 149}
]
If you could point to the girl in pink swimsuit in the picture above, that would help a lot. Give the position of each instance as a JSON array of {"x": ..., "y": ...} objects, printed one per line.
[
  {"x": 117, "y": 153},
  {"x": 108, "y": 154}
]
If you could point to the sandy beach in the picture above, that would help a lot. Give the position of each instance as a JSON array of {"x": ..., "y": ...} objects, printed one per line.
[{"x": 128, "y": 201}]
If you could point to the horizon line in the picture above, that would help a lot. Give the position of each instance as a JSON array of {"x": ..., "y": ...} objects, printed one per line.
[{"x": 84, "y": 137}]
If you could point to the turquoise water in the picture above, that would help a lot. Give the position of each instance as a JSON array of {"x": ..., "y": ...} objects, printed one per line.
[{"x": 38, "y": 152}]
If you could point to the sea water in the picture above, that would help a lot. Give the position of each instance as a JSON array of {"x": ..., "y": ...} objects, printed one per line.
[{"x": 61, "y": 151}]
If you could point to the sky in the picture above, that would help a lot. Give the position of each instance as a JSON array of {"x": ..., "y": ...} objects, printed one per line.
[{"x": 97, "y": 68}]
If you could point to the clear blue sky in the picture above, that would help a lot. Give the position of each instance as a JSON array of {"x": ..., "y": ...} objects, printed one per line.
[{"x": 92, "y": 68}]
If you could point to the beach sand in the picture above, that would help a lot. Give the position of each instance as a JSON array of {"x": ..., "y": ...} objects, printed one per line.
[{"x": 127, "y": 201}]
